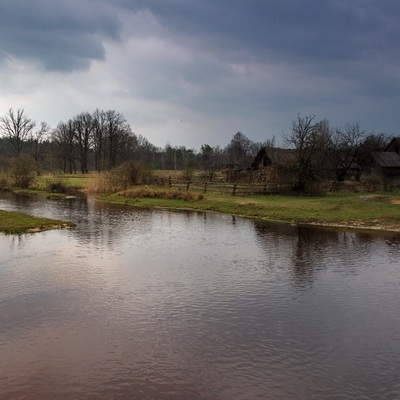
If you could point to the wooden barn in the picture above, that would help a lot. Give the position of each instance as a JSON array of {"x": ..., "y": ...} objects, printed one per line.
[
  {"x": 387, "y": 163},
  {"x": 274, "y": 165}
]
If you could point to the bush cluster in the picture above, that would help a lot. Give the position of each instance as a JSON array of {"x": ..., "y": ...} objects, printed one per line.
[
  {"x": 23, "y": 171},
  {"x": 121, "y": 178}
]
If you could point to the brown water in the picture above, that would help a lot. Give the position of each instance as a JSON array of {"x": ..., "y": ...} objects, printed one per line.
[{"x": 158, "y": 305}]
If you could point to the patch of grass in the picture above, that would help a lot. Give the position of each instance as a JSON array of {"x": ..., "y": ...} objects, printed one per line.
[
  {"x": 64, "y": 182},
  {"x": 171, "y": 194},
  {"x": 40, "y": 193},
  {"x": 348, "y": 210},
  {"x": 16, "y": 222}
]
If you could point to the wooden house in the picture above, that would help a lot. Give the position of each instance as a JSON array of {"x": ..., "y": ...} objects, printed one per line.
[
  {"x": 387, "y": 163},
  {"x": 274, "y": 165}
]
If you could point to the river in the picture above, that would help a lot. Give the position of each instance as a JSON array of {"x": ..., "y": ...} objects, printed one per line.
[{"x": 142, "y": 304}]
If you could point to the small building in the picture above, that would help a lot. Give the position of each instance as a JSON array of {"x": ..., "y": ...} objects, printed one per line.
[
  {"x": 387, "y": 163},
  {"x": 274, "y": 165},
  {"x": 231, "y": 171}
]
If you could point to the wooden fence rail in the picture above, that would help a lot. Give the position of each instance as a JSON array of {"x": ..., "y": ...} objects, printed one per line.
[{"x": 235, "y": 189}]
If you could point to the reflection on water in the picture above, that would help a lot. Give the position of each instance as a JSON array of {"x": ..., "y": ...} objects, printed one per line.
[{"x": 158, "y": 305}]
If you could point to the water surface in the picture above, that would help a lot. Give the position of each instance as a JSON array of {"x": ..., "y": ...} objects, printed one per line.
[{"x": 139, "y": 304}]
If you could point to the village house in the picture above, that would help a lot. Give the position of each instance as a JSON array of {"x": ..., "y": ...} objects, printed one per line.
[
  {"x": 386, "y": 165},
  {"x": 273, "y": 165}
]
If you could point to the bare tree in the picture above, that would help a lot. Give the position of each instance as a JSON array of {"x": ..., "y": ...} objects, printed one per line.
[
  {"x": 99, "y": 132},
  {"x": 117, "y": 130},
  {"x": 308, "y": 141},
  {"x": 64, "y": 139},
  {"x": 344, "y": 147},
  {"x": 17, "y": 128},
  {"x": 84, "y": 131},
  {"x": 38, "y": 139}
]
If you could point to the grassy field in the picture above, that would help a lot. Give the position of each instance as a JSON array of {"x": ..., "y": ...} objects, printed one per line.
[
  {"x": 16, "y": 222},
  {"x": 348, "y": 210},
  {"x": 375, "y": 211}
]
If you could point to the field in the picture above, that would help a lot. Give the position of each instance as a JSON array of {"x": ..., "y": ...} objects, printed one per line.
[
  {"x": 367, "y": 211},
  {"x": 346, "y": 210}
]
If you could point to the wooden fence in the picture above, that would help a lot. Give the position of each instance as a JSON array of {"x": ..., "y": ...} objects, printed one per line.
[{"x": 235, "y": 189}]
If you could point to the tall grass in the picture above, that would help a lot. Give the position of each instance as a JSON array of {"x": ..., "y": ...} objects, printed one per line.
[
  {"x": 120, "y": 178},
  {"x": 5, "y": 181},
  {"x": 170, "y": 194}
]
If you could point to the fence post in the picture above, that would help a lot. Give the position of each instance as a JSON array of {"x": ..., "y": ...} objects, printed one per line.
[
  {"x": 205, "y": 187},
  {"x": 170, "y": 182},
  {"x": 187, "y": 186},
  {"x": 234, "y": 189}
]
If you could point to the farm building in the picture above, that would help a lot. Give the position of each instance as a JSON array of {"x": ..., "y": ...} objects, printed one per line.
[{"x": 386, "y": 166}]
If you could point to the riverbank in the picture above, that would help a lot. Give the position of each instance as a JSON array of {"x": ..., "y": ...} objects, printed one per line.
[
  {"x": 362, "y": 211},
  {"x": 16, "y": 222},
  {"x": 366, "y": 211}
]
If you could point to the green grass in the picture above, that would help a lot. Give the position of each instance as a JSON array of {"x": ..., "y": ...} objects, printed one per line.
[
  {"x": 348, "y": 210},
  {"x": 377, "y": 211},
  {"x": 16, "y": 222}
]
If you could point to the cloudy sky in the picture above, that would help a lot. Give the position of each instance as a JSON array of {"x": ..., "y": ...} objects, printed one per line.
[{"x": 189, "y": 72}]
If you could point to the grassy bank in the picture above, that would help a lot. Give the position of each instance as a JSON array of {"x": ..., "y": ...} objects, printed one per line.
[
  {"x": 16, "y": 222},
  {"x": 347, "y": 210},
  {"x": 378, "y": 211}
]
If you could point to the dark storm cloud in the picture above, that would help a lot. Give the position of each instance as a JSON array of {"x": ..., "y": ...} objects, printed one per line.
[
  {"x": 66, "y": 35},
  {"x": 312, "y": 29},
  {"x": 60, "y": 35},
  {"x": 249, "y": 65}
]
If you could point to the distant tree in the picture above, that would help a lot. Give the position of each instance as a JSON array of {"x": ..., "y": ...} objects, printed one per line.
[
  {"x": 208, "y": 161},
  {"x": 84, "y": 126},
  {"x": 99, "y": 133},
  {"x": 117, "y": 132},
  {"x": 343, "y": 147},
  {"x": 372, "y": 143},
  {"x": 239, "y": 150},
  {"x": 145, "y": 151},
  {"x": 17, "y": 128},
  {"x": 206, "y": 156},
  {"x": 65, "y": 145},
  {"x": 38, "y": 148},
  {"x": 308, "y": 140}
]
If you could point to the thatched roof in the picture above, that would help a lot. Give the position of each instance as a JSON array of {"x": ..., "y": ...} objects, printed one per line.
[{"x": 387, "y": 159}]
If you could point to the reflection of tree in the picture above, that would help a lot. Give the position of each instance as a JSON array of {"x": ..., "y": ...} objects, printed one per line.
[
  {"x": 311, "y": 249},
  {"x": 307, "y": 250},
  {"x": 104, "y": 225}
]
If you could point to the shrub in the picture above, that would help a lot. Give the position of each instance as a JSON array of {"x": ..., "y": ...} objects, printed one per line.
[
  {"x": 55, "y": 184},
  {"x": 101, "y": 184},
  {"x": 23, "y": 171},
  {"x": 130, "y": 173},
  {"x": 4, "y": 181},
  {"x": 187, "y": 174}
]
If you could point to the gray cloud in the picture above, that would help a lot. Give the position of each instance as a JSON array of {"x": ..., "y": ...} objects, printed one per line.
[
  {"x": 221, "y": 66},
  {"x": 60, "y": 35}
]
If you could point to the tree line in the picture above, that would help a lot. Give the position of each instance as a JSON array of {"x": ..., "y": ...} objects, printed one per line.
[{"x": 102, "y": 140}]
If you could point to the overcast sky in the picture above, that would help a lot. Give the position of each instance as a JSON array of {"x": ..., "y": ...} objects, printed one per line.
[{"x": 190, "y": 72}]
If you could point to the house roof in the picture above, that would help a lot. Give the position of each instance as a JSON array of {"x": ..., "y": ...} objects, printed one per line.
[
  {"x": 394, "y": 145},
  {"x": 387, "y": 159},
  {"x": 273, "y": 156}
]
